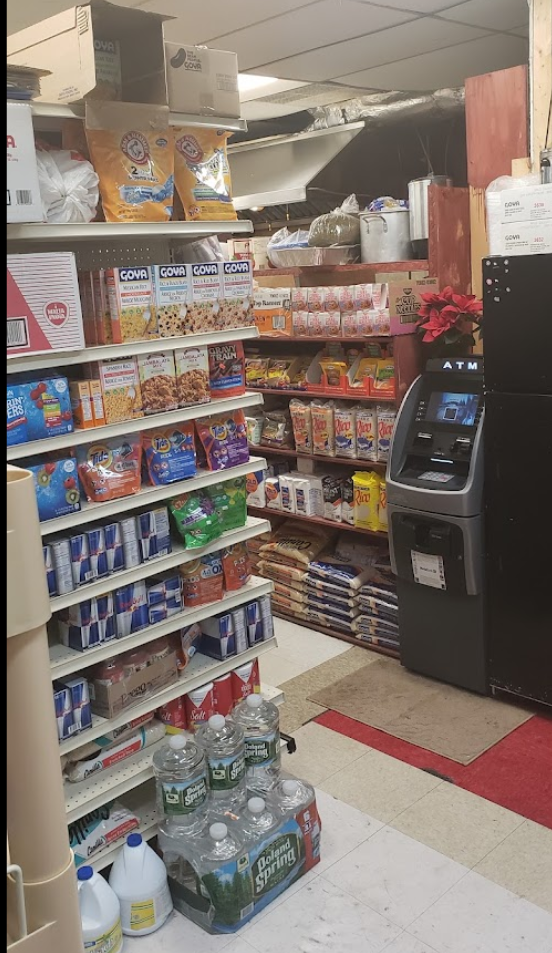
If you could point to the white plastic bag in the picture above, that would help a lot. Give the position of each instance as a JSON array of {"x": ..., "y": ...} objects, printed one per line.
[{"x": 68, "y": 186}]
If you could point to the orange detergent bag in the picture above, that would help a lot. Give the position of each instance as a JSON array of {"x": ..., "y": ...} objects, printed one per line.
[{"x": 131, "y": 149}]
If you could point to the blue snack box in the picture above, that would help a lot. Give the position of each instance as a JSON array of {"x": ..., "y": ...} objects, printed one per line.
[
  {"x": 38, "y": 409},
  {"x": 57, "y": 487}
]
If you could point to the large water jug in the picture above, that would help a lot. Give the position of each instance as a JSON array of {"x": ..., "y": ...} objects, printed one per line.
[
  {"x": 257, "y": 821},
  {"x": 181, "y": 775},
  {"x": 260, "y": 721},
  {"x": 224, "y": 747}
]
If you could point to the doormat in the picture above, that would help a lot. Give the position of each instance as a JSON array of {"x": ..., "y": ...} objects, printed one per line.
[
  {"x": 298, "y": 709},
  {"x": 516, "y": 773},
  {"x": 449, "y": 721}
]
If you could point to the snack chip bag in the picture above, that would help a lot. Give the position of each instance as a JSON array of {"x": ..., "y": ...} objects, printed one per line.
[
  {"x": 224, "y": 439},
  {"x": 170, "y": 453},
  {"x": 110, "y": 469},
  {"x": 132, "y": 152},
  {"x": 202, "y": 174},
  {"x": 196, "y": 519}
]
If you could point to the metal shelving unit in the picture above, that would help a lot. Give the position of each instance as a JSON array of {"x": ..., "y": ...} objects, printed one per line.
[
  {"x": 51, "y": 114},
  {"x": 125, "y": 231}
]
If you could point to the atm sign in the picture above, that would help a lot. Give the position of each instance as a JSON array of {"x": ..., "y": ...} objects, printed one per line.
[{"x": 460, "y": 365}]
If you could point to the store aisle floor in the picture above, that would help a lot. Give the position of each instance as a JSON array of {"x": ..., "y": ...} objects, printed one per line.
[{"x": 410, "y": 863}]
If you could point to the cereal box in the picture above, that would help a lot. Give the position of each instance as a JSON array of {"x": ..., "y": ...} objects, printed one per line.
[
  {"x": 38, "y": 409},
  {"x": 57, "y": 487},
  {"x": 43, "y": 304},
  {"x": 157, "y": 382},
  {"x": 130, "y": 293},
  {"x": 192, "y": 376},
  {"x": 122, "y": 396},
  {"x": 272, "y": 310},
  {"x": 172, "y": 290},
  {"x": 81, "y": 404},
  {"x": 226, "y": 370},
  {"x": 206, "y": 291},
  {"x": 237, "y": 292}
]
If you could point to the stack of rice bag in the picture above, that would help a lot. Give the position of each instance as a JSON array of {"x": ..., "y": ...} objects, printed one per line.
[
  {"x": 378, "y": 621},
  {"x": 285, "y": 559},
  {"x": 335, "y": 580}
]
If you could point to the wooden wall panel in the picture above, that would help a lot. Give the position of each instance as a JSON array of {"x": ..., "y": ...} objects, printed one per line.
[
  {"x": 449, "y": 237},
  {"x": 496, "y": 123},
  {"x": 541, "y": 77}
]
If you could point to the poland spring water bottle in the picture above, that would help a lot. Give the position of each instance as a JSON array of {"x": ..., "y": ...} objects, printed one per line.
[
  {"x": 224, "y": 747},
  {"x": 260, "y": 721},
  {"x": 258, "y": 820},
  {"x": 291, "y": 795},
  {"x": 181, "y": 776}
]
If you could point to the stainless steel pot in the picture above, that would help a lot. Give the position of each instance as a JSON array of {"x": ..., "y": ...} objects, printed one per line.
[
  {"x": 385, "y": 236},
  {"x": 418, "y": 203}
]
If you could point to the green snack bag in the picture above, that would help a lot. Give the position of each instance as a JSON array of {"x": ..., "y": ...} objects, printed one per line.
[
  {"x": 196, "y": 519},
  {"x": 221, "y": 501}
]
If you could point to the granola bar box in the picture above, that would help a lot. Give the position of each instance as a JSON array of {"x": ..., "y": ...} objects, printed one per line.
[
  {"x": 223, "y": 898},
  {"x": 157, "y": 382}
]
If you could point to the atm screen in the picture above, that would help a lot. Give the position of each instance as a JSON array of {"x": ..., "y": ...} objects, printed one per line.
[{"x": 446, "y": 408}]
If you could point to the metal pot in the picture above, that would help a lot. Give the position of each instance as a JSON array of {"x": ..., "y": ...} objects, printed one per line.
[
  {"x": 385, "y": 236},
  {"x": 418, "y": 203}
]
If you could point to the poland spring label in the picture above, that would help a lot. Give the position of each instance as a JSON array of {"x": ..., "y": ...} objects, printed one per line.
[
  {"x": 262, "y": 749},
  {"x": 226, "y": 773},
  {"x": 184, "y": 797}
]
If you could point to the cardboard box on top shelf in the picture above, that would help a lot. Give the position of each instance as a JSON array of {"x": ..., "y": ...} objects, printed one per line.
[
  {"x": 82, "y": 48},
  {"x": 201, "y": 81},
  {"x": 404, "y": 302},
  {"x": 23, "y": 201}
]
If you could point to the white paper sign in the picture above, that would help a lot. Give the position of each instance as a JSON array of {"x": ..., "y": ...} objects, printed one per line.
[{"x": 428, "y": 570}]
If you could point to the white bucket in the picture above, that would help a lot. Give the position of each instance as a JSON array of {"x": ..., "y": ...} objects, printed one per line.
[
  {"x": 385, "y": 236},
  {"x": 100, "y": 913},
  {"x": 139, "y": 878}
]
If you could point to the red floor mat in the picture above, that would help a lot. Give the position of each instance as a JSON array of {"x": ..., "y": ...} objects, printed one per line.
[{"x": 516, "y": 773}]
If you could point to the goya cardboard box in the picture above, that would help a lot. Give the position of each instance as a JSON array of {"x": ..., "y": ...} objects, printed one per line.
[
  {"x": 100, "y": 50},
  {"x": 56, "y": 487},
  {"x": 43, "y": 304}
]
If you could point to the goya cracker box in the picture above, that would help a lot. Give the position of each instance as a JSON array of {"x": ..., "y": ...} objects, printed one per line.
[
  {"x": 226, "y": 895},
  {"x": 131, "y": 303},
  {"x": 38, "y": 409},
  {"x": 172, "y": 291},
  {"x": 56, "y": 486}
]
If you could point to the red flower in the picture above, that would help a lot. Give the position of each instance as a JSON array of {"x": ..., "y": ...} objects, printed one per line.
[
  {"x": 438, "y": 323},
  {"x": 445, "y": 310}
]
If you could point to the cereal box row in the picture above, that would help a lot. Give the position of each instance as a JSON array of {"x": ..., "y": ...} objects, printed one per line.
[{"x": 138, "y": 303}]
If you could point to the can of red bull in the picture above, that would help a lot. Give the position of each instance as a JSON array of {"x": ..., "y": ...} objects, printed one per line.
[
  {"x": 266, "y": 615},
  {"x": 240, "y": 631},
  {"x": 147, "y": 535},
  {"x": 61, "y": 556},
  {"x": 254, "y": 622},
  {"x": 50, "y": 571},
  {"x": 131, "y": 608},
  {"x": 106, "y": 618},
  {"x": 80, "y": 703},
  {"x": 64, "y": 711},
  {"x": 97, "y": 551},
  {"x": 131, "y": 547},
  {"x": 114, "y": 547},
  {"x": 80, "y": 559}
]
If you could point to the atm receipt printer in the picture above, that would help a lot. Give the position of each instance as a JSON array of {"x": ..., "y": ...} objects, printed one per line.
[{"x": 435, "y": 513}]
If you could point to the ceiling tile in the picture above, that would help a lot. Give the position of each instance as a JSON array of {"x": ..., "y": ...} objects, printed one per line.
[
  {"x": 448, "y": 67},
  {"x": 521, "y": 31},
  {"x": 202, "y": 23},
  {"x": 414, "y": 6},
  {"x": 318, "y": 25},
  {"x": 409, "y": 39},
  {"x": 491, "y": 14}
]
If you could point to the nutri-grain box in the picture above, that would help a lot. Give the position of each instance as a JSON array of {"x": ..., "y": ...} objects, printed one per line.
[{"x": 43, "y": 304}]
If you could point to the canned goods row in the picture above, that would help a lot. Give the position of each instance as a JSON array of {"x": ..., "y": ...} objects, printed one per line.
[{"x": 97, "y": 553}]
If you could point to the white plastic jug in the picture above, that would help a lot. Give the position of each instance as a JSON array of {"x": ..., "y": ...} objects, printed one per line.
[
  {"x": 139, "y": 878},
  {"x": 100, "y": 912}
]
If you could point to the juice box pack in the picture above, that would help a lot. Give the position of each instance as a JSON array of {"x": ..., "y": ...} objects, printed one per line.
[
  {"x": 57, "y": 487},
  {"x": 38, "y": 409}
]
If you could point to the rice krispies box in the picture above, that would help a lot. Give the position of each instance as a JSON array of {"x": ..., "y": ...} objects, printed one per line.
[
  {"x": 38, "y": 409},
  {"x": 56, "y": 487},
  {"x": 43, "y": 304}
]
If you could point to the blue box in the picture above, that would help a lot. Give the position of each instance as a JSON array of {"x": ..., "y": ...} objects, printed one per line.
[
  {"x": 219, "y": 638},
  {"x": 57, "y": 487},
  {"x": 38, "y": 409}
]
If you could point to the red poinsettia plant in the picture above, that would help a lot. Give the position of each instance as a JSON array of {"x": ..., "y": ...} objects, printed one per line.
[{"x": 449, "y": 318}]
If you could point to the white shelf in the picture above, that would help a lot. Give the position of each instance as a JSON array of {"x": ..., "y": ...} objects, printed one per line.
[
  {"x": 36, "y": 362},
  {"x": 61, "y": 111},
  {"x": 65, "y": 661},
  {"x": 147, "y": 496},
  {"x": 125, "y": 231},
  {"x": 94, "y": 434},
  {"x": 201, "y": 669},
  {"x": 179, "y": 556}
]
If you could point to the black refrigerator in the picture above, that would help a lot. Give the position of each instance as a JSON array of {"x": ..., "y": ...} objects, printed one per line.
[{"x": 517, "y": 310}]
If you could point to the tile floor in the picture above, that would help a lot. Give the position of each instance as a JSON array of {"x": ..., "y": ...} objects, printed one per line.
[{"x": 410, "y": 864}]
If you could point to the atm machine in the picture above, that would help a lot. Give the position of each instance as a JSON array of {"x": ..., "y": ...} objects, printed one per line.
[{"x": 435, "y": 513}]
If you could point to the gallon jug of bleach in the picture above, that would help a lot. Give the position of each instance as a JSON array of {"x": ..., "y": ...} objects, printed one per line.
[
  {"x": 100, "y": 913},
  {"x": 139, "y": 879}
]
